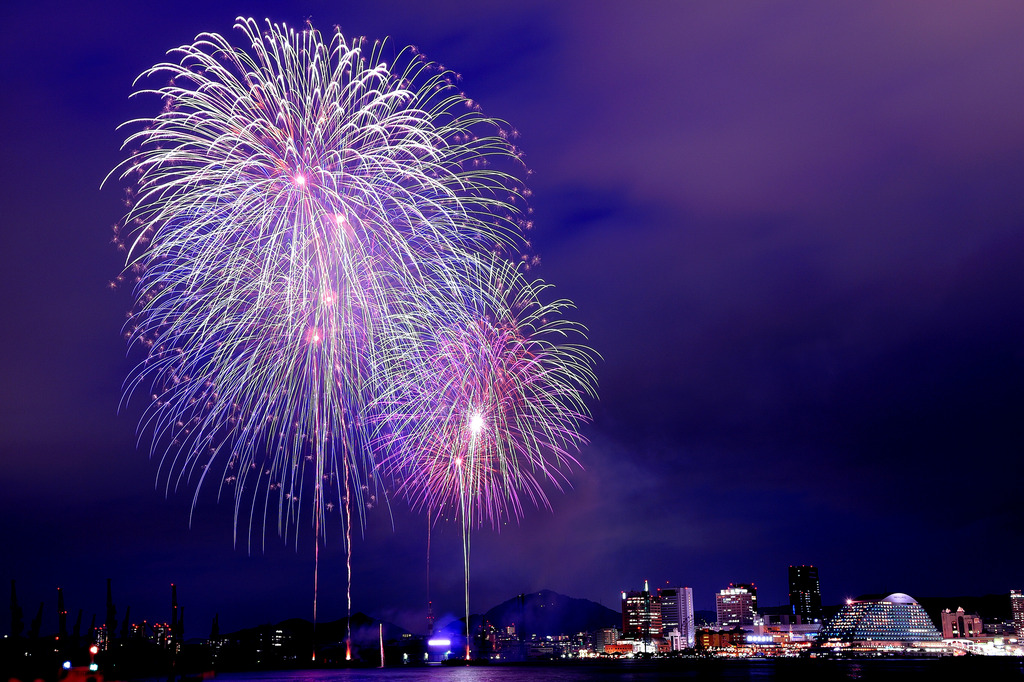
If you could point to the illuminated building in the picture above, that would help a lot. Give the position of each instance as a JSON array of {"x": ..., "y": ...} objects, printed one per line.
[
  {"x": 677, "y": 614},
  {"x": 787, "y": 630},
  {"x": 501, "y": 643},
  {"x": 960, "y": 625},
  {"x": 720, "y": 639},
  {"x": 162, "y": 635},
  {"x": 101, "y": 637},
  {"x": 1017, "y": 606},
  {"x": 641, "y": 616},
  {"x": 603, "y": 638},
  {"x": 736, "y": 605},
  {"x": 805, "y": 592},
  {"x": 896, "y": 621},
  {"x": 617, "y": 649}
]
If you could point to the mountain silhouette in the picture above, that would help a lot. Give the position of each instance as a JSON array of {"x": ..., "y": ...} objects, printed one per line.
[{"x": 550, "y": 613}]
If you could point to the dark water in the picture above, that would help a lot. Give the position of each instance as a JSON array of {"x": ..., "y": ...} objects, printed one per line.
[{"x": 967, "y": 670}]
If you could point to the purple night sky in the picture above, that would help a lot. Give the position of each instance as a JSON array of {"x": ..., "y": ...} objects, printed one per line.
[{"x": 795, "y": 231}]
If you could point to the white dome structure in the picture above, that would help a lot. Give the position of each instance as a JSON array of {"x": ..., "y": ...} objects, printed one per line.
[{"x": 893, "y": 621}]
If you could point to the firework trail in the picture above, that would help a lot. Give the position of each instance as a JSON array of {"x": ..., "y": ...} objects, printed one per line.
[
  {"x": 486, "y": 409},
  {"x": 289, "y": 206}
]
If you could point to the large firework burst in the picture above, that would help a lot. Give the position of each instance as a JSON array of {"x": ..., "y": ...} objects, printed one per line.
[
  {"x": 289, "y": 197},
  {"x": 481, "y": 412}
]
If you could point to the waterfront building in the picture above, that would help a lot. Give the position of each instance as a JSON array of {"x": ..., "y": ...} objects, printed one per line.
[
  {"x": 960, "y": 625},
  {"x": 736, "y": 605},
  {"x": 641, "y": 617},
  {"x": 708, "y": 639},
  {"x": 677, "y": 615},
  {"x": 1017, "y": 606},
  {"x": 786, "y": 627},
  {"x": 623, "y": 648},
  {"x": 675, "y": 640},
  {"x": 604, "y": 637},
  {"x": 805, "y": 592},
  {"x": 1002, "y": 628},
  {"x": 890, "y": 623}
]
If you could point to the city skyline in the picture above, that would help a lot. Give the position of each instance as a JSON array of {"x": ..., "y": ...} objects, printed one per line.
[
  {"x": 794, "y": 233},
  {"x": 648, "y": 614},
  {"x": 542, "y": 626}
]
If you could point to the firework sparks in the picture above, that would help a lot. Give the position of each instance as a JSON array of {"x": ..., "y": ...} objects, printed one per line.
[
  {"x": 493, "y": 399},
  {"x": 318, "y": 240},
  {"x": 487, "y": 409},
  {"x": 288, "y": 198}
]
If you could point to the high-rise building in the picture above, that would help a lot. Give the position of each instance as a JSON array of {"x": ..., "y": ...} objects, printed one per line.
[
  {"x": 805, "y": 592},
  {"x": 641, "y": 615},
  {"x": 677, "y": 614},
  {"x": 1017, "y": 606},
  {"x": 604, "y": 637},
  {"x": 752, "y": 589},
  {"x": 736, "y": 605}
]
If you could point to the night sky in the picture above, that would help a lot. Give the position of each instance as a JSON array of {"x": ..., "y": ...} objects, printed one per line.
[{"x": 794, "y": 230}]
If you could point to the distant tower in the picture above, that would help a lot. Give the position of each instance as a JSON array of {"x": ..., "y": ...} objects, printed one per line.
[
  {"x": 175, "y": 616},
  {"x": 805, "y": 592},
  {"x": 641, "y": 616},
  {"x": 62, "y": 616},
  {"x": 1017, "y": 605},
  {"x": 736, "y": 605},
  {"x": 677, "y": 614}
]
